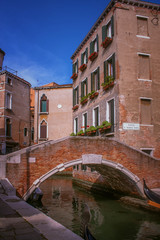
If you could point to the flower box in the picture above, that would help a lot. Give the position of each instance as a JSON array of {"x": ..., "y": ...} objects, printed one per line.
[
  {"x": 93, "y": 95},
  {"x": 75, "y": 107},
  {"x": 106, "y": 42},
  {"x": 83, "y": 67},
  {"x": 93, "y": 56},
  {"x": 84, "y": 101},
  {"x": 74, "y": 76}
]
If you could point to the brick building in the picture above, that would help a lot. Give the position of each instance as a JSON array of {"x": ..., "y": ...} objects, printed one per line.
[
  {"x": 118, "y": 64},
  {"x": 14, "y": 110},
  {"x": 52, "y": 111}
]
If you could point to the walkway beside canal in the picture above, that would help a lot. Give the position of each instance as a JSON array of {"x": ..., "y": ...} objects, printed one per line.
[{"x": 20, "y": 221}]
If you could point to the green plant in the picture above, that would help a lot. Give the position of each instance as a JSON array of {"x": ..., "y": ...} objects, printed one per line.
[
  {"x": 80, "y": 133},
  {"x": 91, "y": 93},
  {"x": 84, "y": 98},
  {"x": 72, "y": 134},
  {"x": 106, "y": 124},
  {"x": 91, "y": 129},
  {"x": 107, "y": 81}
]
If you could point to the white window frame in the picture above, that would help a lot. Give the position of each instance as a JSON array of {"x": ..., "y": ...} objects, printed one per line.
[
  {"x": 8, "y": 105},
  {"x": 83, "y": 120},
  {"x": 142, "y": 36},
  {"x": 148, "y": 55},
  {"x": 93, "y": 115},
  {"x": 107, "y": 109},
  {"x": 145, "y": 98}
]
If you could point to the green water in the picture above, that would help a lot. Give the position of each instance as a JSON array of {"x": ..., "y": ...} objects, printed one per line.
[{"x": 110, "y": 219}]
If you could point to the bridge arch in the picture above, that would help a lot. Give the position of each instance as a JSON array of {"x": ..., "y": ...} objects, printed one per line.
[{"x": 91, "y": 160}]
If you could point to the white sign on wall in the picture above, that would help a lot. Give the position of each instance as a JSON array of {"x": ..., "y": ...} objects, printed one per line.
[{"x": 131, "y": 126}]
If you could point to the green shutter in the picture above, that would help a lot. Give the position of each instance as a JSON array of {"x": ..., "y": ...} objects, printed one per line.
[
  {"x": 98, "y": 83},
  {"x": 105, "y": 66},
  {"x": 77, "y": 64},
  {"x": 87, "y": 85},
  {"x": 87, "y": 55},
  {"x": 74, "y": 98},
  {"x": 97, "y": 43},
  {"x": 112, "y": 25},
  {"x": 82, "y": 58},
  {"x": 92, "y": 78},
  {"x": 113, "y": 65},
  {"x": 104, "y": 33},
  {"x": 82, "y": 89},
  {"x": 91, "y": 47},
  {"x": 78, "y": 95}
]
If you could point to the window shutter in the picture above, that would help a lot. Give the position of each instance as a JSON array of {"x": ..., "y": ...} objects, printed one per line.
[
  {"x": 87, "y": 85},
  {"x": 40, "y": 105},
  {"x": 73, "y": 68},
  {"x": 87, "y": 55},
  {"x": 112, "y": 25},
  {"x": 74, "y": 97},
  {"x": 104, "y": 32},
  {"x": 97, "y": 43},
  {"x": 78, "y": 95},
  {"x": 77, "y": 64},
  {"x": 91, "y": 47},
  {"x": 43, "y": 131},
  {"x": 92, "y": 76},
  {"x": 82, "y": 58},
  {"x": 105, "y": 67},
  {"x": 47, "y": 105},
  {"x": 112, "y": 114},
  {"x": 113, "y": 65},
  {"x": 82, "y": 89},
  {"x": 98, "y": 79}
]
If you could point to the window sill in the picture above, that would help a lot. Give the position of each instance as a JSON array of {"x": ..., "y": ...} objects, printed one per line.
[
  {"x": 110, "y": 134},
  {"x": 43, "y": 139},
  {"x": 43, "y": 113},
  {"x": 144, "y": 80},
  {"x": 141, "y": 36}
]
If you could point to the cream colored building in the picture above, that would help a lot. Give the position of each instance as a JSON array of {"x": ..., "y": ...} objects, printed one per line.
[{"x": 52, "y": 112}]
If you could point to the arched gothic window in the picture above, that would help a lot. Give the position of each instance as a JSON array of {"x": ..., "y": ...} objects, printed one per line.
[
  {"x": 43, "y": 129},
  {"x": 44, "y": 104}
]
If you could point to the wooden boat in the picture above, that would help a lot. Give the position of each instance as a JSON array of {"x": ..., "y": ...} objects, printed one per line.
[
  {"x": 154, "y": 198},
  {"x": 87, "y": 234}
]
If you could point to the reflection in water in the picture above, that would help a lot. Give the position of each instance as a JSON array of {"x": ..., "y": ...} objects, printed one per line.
[{"x": 110, "y": 219}]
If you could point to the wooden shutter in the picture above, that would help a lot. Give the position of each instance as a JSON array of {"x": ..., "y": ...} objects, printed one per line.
[
  {"x": 98, "y": 78},
  {"x": 113, "y": 65},
  {"x": 77, "y": 95},
  {"x": 87, "y": 55},
  {"x": 92, "y": 82},
  {"x": 112, "y": 26},
  {"x": 41, "y": 105},
  {"x": 146, "y": 116},
  {"x": 73, "y": 68},
  {"x": 111, "y": 114},
  {"x": 97, "y": 43},
  {"x": 87, "y": 85},
  {"x": 82, "y": 89},
  {"x": 77, "y": 65},
  {"x": 47, "y": 105},
  {"x": 91, "y": 47},
  {"x": 105, "y": 68},
  {"x": 43, "y": 131},
  {"x": 82, "y": 58},
  {"x": 104, "y": 33},
  {"x": 74, "y": 97}
]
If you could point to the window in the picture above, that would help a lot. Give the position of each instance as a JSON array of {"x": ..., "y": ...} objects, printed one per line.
[
  {"x": 84, "y": 57},
  {"x": 144, "y": 66},
  {"x": 9, "y": 101},
  {"x": 95, "y": 81},
  {"x": 109, "y": 67},
  {"x": 94, "y": 45},
  {"x": 83, "y": 167},
  {"x": 75, "y": 67},
  {"x": 146, "y": 117},
  {"x": 8, "y": 127},
  {"x": 84, "y": 88},
  {"x": 108, "y": 30},
  {"x": 32, "y": 133},
  {"x": 84, "y": 121},
  {"x": 25, "y": 132},
  {"x": 9, "y": 81},
  {"x": 43, "y": 130},
  {"x": 149, "y": 151},
  {"x": 44, "y": 104},
  {"x": 110, "y": 113},
  {"x": 75, "y": 125},
  {"x": 76, "y": 96},
  {"x": 96, "y": 117},
  {"x": 142, "y": 26}
]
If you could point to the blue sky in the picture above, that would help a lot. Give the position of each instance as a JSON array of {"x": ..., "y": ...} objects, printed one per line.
[{"x": 39, "y": 37}]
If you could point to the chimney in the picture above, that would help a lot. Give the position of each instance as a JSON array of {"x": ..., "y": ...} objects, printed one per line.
[{"x": 2, "y": 54}]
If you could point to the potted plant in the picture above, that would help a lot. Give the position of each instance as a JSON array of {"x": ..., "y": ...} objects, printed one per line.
[
  {"x": 72, "y": 134},
  {"x": 91, "y": 130},
  {"x": 104, "y": 126},
  {"x": 109, "y": 82},
  {"x": 93, "y": 56},
  {"x": 80, "y": 133},
  {"x": 84, "y": 99},
  {"x": 75, "y": 107},
  {"x": 83, "y": 67},
  {"x": 74, "y": 76},
  {"x": 93, "y": 94},
  {"x": 106, "y": 42}
]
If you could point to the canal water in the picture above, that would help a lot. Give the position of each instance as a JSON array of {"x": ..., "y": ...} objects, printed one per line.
[{"x": 110, "y": 219}]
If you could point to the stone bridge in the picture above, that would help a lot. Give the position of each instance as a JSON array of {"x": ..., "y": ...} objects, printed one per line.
[{"x": 122, "y": 167}]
